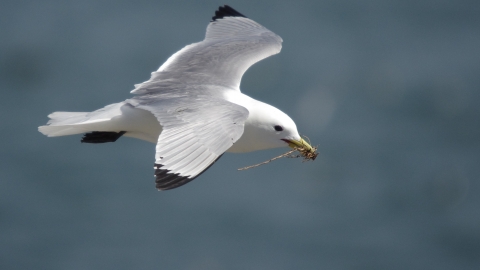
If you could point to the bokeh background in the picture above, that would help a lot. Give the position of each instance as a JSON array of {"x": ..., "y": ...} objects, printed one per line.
[{"x": 389, "y": 90}]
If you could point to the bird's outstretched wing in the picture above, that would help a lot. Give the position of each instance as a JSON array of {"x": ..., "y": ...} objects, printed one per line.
[
  {"x": 232, "y": 44},
  {"x": 196, "y": 130}
]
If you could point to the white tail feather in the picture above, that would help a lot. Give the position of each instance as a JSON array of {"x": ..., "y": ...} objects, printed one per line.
[
  {"x": 69, "y": 123},
  {"x": 116, "y": 117}
]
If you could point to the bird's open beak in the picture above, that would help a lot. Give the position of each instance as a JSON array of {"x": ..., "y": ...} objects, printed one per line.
[{"x": 299, "y": 144}]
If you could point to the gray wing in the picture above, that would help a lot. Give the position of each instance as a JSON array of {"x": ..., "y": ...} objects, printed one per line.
[
  {"x": 232, "y": 44},
  {"x": 196, "y": 131}
]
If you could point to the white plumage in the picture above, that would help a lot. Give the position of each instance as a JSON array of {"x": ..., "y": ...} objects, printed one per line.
[{"x": 192, "y": 107}]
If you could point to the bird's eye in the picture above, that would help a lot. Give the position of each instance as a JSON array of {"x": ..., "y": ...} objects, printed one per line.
[{"x": 278, "y": 128}]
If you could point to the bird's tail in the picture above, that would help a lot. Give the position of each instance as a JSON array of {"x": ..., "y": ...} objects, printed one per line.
[
  {"x": 105, "y": 125},
  {"x": 69, "y": 123},
  {"x": 64, "y": 123}
]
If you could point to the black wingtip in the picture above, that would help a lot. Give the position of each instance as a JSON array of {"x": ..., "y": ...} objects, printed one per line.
[
  {"x": 226, "y": 11},
  {"x": 165, "y": 180},
  {"x": 101, "y": 137}
]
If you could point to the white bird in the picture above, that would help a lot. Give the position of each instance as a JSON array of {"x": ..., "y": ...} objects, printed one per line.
[{"x": 192, "y": 107}]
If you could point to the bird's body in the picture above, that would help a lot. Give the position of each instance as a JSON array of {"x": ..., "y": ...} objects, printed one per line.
[{"x": 192, "y": 107}]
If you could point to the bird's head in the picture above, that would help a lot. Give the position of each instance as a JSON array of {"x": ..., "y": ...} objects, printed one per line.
[{"x": 268, "y": 127}]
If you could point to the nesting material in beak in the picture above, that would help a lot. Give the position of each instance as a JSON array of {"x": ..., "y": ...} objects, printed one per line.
[{"x": 304, "y": 148}]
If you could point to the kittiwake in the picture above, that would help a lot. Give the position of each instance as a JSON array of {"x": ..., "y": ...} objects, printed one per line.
[{"x": 192, "y": 107}]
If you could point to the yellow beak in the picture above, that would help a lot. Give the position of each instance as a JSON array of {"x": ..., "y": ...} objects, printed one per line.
[{"x": 299, "y": 144}]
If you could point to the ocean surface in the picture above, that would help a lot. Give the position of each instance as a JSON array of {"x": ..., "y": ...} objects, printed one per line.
[{"x": 388, "y": 90}]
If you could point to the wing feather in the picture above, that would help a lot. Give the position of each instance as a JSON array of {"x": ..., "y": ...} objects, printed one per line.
[
  {"x": 232, "y": 44},
  {"x": 196, "y": 131}
]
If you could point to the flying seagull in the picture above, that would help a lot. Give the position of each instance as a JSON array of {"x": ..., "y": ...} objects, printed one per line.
[{"x": 192, "y": 106}]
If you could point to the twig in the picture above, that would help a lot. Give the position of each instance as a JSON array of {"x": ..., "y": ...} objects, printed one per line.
[
  {"x": 306, "y": 151},
  {"x": 268, "y": 161}
]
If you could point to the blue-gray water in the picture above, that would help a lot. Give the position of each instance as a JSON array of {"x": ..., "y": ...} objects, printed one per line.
[{"x": 389, "y": 90}]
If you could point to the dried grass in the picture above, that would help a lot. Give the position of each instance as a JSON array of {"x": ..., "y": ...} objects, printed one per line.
[{"x": 306, "y": 152}]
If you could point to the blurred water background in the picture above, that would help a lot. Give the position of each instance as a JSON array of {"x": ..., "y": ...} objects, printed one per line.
[{"x": 389, "y": 90}]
